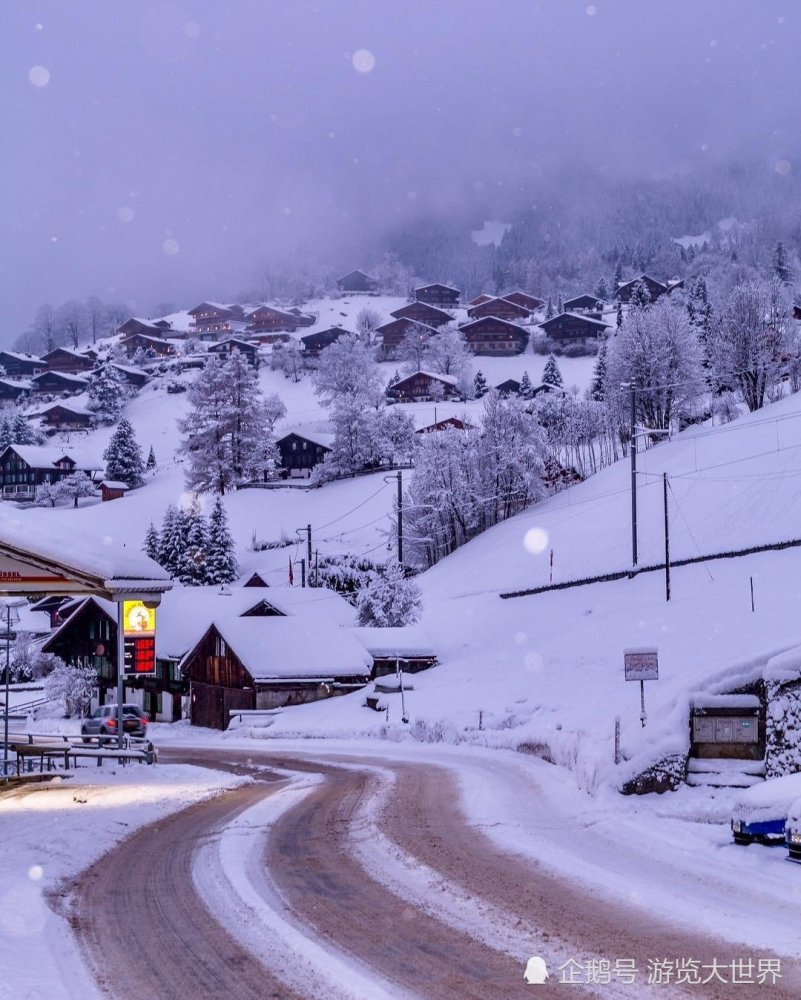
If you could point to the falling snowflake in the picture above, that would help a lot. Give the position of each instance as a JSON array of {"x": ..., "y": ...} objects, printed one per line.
[
  {"x": 171, "y": 247},
  {"x": 125, "y": 214},
  {"x": 39, "y": 76},
  {"x": 535, "y": 540},
  {"x": 363, "y": 61}
]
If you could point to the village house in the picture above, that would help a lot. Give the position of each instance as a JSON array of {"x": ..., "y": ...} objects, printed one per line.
[
  {"x": 656, "y": 289},
  {"x": 11, "y": 390},
  {"x": 589, "y": 304},
  {"x": 424, "y": 386},
  {"x": 148, "y": 327},
  {"x": 479, "y": 299},
  {"x": 530, "y": 302},
  {"x": 437, "y": 294},
  {"x": 112, "y": 489},
  {"x": 21, "y": 365},
  {"x": 63, "y": 359},
  {"x": 266, "y": 339},
  {"x": 573, "y": 326},
  {"x": 225, "y": 348},
  {"x": 392, "y": 335},
  {"x": 494, "y": 336},
  {"x": 269, "y": 319},
  {"x": 252, "y": 663},
  {"x": 500, "y": 309},
  {"x": 131, "y": 376},
  {"x": 402, "y": 647},
  {"x": 314, "y": 343},
  {"x": 420, "y": 312},
  {"x": 213, "y": 317},
  {"x": 61, "y": 417},
  {"x": 511, "y": 387},
  {"x": 301, "y": 451},
  {"x": 24, "y": 467},
  {"x": 357, "y": 281},
  {"x": 59, "y": 382},
  {"x": 449, "y": 423},
  {"x": 304, "y": 319},
  {"x": 150, "y": 345}
]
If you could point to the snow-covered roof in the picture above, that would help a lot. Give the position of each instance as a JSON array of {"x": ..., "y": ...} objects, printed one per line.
[
  {"x": 66, "y": 376},
  {"x": 71, "y": 408},
  {"x": 310, "y": 602},
  {"x": 70, "y": 610},
  {"x": 129, "y": 369},
  {"x": 450, "y": 379},
  {"x": 769, "y": 800},
  {"x": 584, "y": 318},
  {"x": 22, "y": 384},
  {"x": 725, "y": 701},
  {"x": 113, "y": 484},
  {"x": 407, "y": 641},
  {"x": 186, "y": 612},
  {"x": 288, "y": 648},
  {"x": 40, "y": 456},
  {"x": 64, "y": 350},
  {"x": 323, "y": 438},
  {"x": 437, "y": 284},
  {"x": 23, "y": 357}
]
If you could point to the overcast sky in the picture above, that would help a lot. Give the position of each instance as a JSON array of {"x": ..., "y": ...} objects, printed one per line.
[{"x": 158, "y": 151}]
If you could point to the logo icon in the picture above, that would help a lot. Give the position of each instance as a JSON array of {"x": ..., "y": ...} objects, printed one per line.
[{"x": 536, "y": 971}]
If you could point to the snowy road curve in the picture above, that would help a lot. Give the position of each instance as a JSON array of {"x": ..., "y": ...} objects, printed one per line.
[{"x": 358, "y": 877}]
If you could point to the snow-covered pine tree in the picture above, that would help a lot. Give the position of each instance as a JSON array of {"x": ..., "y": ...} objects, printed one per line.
[
  {"x": 598, "y": 384},
  {"x": 551, "y": 374},
  {"x": 21, "y": 430},
  {"x": 549, "y": 313},
  {"x": 171, "y": 540},
  {"x": 560, "y": 306},
  {"x": 106, "y": 393},
  {"x": 781, "y": 265},
  {"x": 151, "y": 543},
  {"x": 619, "y": 315},
  {"x": 601, "y": 290},
  {"x": 5, "y": 434},
  {"x": 526, "y": 388},
  {"x": 640, "y": 296},
  {"x": 395, "y": 379},
  {"x": 480, "y": 384},
  {"x": 123, "y": 456},
  {"x": 617, "y": 278},
  {"x": 151, "y": 460},
  {"x": 193, "y": 571},
  {"x": 221, "y": 565},
  {"x": 390, "y": 600}
]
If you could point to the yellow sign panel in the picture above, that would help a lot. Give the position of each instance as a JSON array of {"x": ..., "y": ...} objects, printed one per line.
[{"x": 137, "y": 619}]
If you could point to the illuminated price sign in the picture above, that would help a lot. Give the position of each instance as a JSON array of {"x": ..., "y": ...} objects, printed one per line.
[{"x": 139, "y": 633}]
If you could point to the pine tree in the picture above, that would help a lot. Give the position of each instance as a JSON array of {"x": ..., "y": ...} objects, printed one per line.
[
  {"x": 106, "y": 393},
  {"x": 781, "y": 265},
  {"x": 617, "y": 278},
  {"x": 560, "y": 306},
  {"x": 192, "y": 570},
  {"x": 551, "y": 374},
  {"x": 480, "y": 385},
  {"x": 619, "y": 315},
  {"x": 549, "y": 313},
  {"x": 640, "y": 296},
  {"x": 601, "y": 290},
  {"x": 21, "y": 430},
  {"x": 171, "y": 540},
  {"x": 390, "y": 600},
  {"x": 526, "y": 388},
  {"x": 151, "y": 460},
  {"x": 395, "y": 379},
  {"x": 151, "y": 543},
  {"x": 221, "y": 566},
  {"x": 598, "y": 384},
  {"x": 5, "y": 434},
  {"x": 123, "y": 457}
]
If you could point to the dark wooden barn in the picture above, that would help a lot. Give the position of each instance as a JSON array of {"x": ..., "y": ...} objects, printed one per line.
[
  {"x": 656, "y": 289},
  {"x": 150, "y": 345},
  {"x": 511, "y": 387},
  {"x": 21, "y": 365},
  {"x": 226, "y": 347},
  {"x": 392, "y": 334},
  {"x": 209, "y": 317},
  {"x": 423, "y": 313},
  {"x": 10, "y": 390},
  {"x": 494, "y": 336},
  {"x": 573, "y": 326},
  {"x": 60, "y": 417},
  {"x": 423, "y": 386},
  {"x": 300, "y": 452},
  {"x": 437, "y": 294},
  {"x": 59, "y": 382},
  {"x": 62, "y": 359},
  {"x": 313, "y": 343},
  {"x": 148, "y": 327},
  {"x": 589, "y": 304},
  {"x": 357, "y": 281},
  {"x": 270, "y": 319},
  {"x": 530, "y": 302},
  {"x": 24, "y": 467}
]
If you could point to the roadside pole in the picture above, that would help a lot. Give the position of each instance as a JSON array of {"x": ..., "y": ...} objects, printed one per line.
[{"x": 120, "y": 668}]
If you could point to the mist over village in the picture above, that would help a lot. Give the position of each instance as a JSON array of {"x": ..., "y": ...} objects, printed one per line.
[{"x": 399, "y": 536}]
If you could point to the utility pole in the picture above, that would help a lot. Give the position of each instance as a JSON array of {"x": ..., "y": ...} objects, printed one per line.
[
  {"x": 308, "y": 546},
  {"x": 667, "y": 537},
  {"x": 400, "y": 517},
  {"x": 303, "y": 572},
  {"x": 633, "y": 452}
]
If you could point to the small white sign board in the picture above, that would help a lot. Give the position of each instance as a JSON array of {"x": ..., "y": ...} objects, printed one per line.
[{"x": 641, "y": 664}]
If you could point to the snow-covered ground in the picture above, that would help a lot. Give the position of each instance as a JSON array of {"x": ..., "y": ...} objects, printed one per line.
[{"x": 50, "y": 833}]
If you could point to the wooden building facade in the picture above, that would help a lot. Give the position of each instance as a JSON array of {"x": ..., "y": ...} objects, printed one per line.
[
  {"x": 500, "y": 309},
  {"x": 314, "y": 343},
  {"x": 420, "y": 312},
  {"x": 574, "y": 326},
  {"x": 424, "y": 386},
  {"x": 21, "y": 365},
  {"x": 437, "y": 294},
  {"x": 301, "y": 452},
  {"x": 357, "y": 281},
  {"x": 62, "y": 359},
  {"x": 494, "y": 336}
]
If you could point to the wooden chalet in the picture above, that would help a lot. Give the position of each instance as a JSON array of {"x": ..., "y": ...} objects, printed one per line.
[
  {"x": 226, "y": 347},
  {"x": 392, "y": 334},
  {"x": 21, "y": 365},
  {"x": 403, "y": 647},
  {"x": 421, "y": 312},
  {"x": 437, "y": 294},
  {"x": 530, "y": 302},
  {"x": 574, "y": 326},
  {"x": 24, "y": 467},
  {"x": 59, "y": 382},
  {"x": 511, "y": 387},
  {"x": 479, "y": 299},
  {"x": 258, "y": 663},
  {"x": 63, "y": 359},
  {"x": 266, "y": 338},
  {"x": 212, "y": 317},
  {"x": 494, "y": 336},
  {"x": 153, "y": 346},
  {"x": 656, "y": 289},
  {"x": 314, "y": 343},
  {"x": 129, "y": 375},
  {"x": 61, "y": 417},
  {"x": 301, "y": 451},
  {"x": 499, "y": 308},
  {"x": 424, "y": 386},
  {"x": 11, "y": 390},
  {"x": 449, "y": 423},
  {"x": 304, "y": 319},
  {"x": 357, "y": 281},
  {"x": 111, "y": 489},
  {"x": 589, "y": 304},
  {"x": 148, "y": 327},
  {"x": 269, "y": 319}
]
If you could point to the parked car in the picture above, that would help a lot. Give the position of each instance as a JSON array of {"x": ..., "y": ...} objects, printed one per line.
[
  {"x": 792, "y": 831},
  {"x": 103, "y": 721},
  {"x": 760, "y": 812}
]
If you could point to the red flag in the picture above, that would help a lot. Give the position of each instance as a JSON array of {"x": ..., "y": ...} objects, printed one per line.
[{"x": 291, "y": 574}]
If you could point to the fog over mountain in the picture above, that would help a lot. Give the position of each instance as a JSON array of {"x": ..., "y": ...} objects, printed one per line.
[{"x": 165, "y": 151}]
